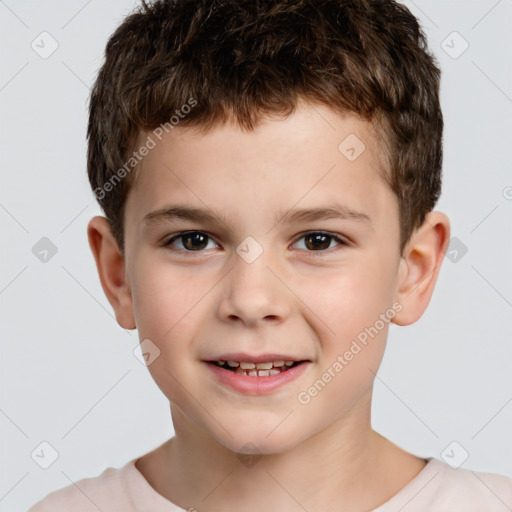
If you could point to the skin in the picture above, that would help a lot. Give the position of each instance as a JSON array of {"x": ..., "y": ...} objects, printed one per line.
[{"x": 293, "y": 299}]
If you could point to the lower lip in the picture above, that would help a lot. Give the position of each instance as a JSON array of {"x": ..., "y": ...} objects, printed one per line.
[{"x": 256, "y": 385}]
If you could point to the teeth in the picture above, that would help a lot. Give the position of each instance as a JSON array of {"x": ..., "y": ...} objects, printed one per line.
[
  {"x": 257, "y": 373},
  {"x": 259, "y": 366},
  {"x": 257, "y": 369},
  {"x": 263, "y": 366}
]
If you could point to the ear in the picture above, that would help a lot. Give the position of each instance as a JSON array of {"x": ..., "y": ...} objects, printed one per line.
[
  {"x": 111, "y": 270},
  {"x": 419, "y": 267}
]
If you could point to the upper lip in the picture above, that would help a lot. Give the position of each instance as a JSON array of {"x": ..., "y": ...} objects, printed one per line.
[{"x": 261, "y": 358}]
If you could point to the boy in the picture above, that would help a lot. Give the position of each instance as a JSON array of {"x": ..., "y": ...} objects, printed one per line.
[{"x": 268, "y": 171}]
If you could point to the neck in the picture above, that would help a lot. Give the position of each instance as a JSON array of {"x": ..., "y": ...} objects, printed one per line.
[{"x": 348, "y": 466}]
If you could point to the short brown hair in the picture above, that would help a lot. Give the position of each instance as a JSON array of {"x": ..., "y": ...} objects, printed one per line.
[{"x": 241, "y": 59}]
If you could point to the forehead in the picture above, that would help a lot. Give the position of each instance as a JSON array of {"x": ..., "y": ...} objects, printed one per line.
[{"x": 311, "y": 158}]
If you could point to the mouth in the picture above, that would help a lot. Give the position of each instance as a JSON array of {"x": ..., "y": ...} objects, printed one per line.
[
  {"x": 256, "y": 374},
  {"x": 256, "y": 369}
]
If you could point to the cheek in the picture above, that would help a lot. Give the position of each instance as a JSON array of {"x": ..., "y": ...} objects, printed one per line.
[
  {"x": 347, "y": 313},
  {"x": 164, "y": 302},
  {"x": 352, "y": 344},
  {"x": 166, "y": 306},
  {"x": 348, "y": 299}
]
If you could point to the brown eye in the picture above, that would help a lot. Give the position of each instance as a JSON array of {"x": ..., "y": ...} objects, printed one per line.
[
  {"x": 191, "y": 241},
  {"x": 319, "y": 241}
]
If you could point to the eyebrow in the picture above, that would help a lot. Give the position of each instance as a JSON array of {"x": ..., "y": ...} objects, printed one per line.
[
  {"x": 336, "y": 211},
  {"x": 184, "y": 212}
]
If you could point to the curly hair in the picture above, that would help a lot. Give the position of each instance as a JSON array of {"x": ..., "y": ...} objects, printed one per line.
[{"x": 244, "y": 59}]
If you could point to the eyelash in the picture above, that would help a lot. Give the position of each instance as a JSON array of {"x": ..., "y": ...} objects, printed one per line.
[{"x": 342, "y": 242}]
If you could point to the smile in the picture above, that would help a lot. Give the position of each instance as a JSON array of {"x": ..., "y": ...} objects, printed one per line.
[
  {"x": 264, "y": 369},
  {"x": 256, "y": 378}
]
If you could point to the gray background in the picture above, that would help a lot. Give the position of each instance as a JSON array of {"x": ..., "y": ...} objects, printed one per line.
[{"x": 69, "y": 375}]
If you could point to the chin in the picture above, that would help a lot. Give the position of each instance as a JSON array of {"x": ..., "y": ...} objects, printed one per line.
[
  {"x": 255, "y": 440},
  {"x": 259, "y": 445}
]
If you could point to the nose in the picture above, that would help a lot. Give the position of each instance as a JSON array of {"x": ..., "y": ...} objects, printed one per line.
[{"x": 254, "y": 293}]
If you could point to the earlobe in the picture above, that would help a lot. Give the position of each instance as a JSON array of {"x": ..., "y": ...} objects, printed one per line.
[
  {"x": 419, "y": 267},
  {"x": 111, "y": 270}
]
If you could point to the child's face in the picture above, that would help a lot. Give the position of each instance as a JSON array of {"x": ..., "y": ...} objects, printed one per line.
[{"x": 303, "y": 298}]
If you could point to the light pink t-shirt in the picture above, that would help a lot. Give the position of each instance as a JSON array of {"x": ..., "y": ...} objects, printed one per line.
[{"x": 437, "y": 488}]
